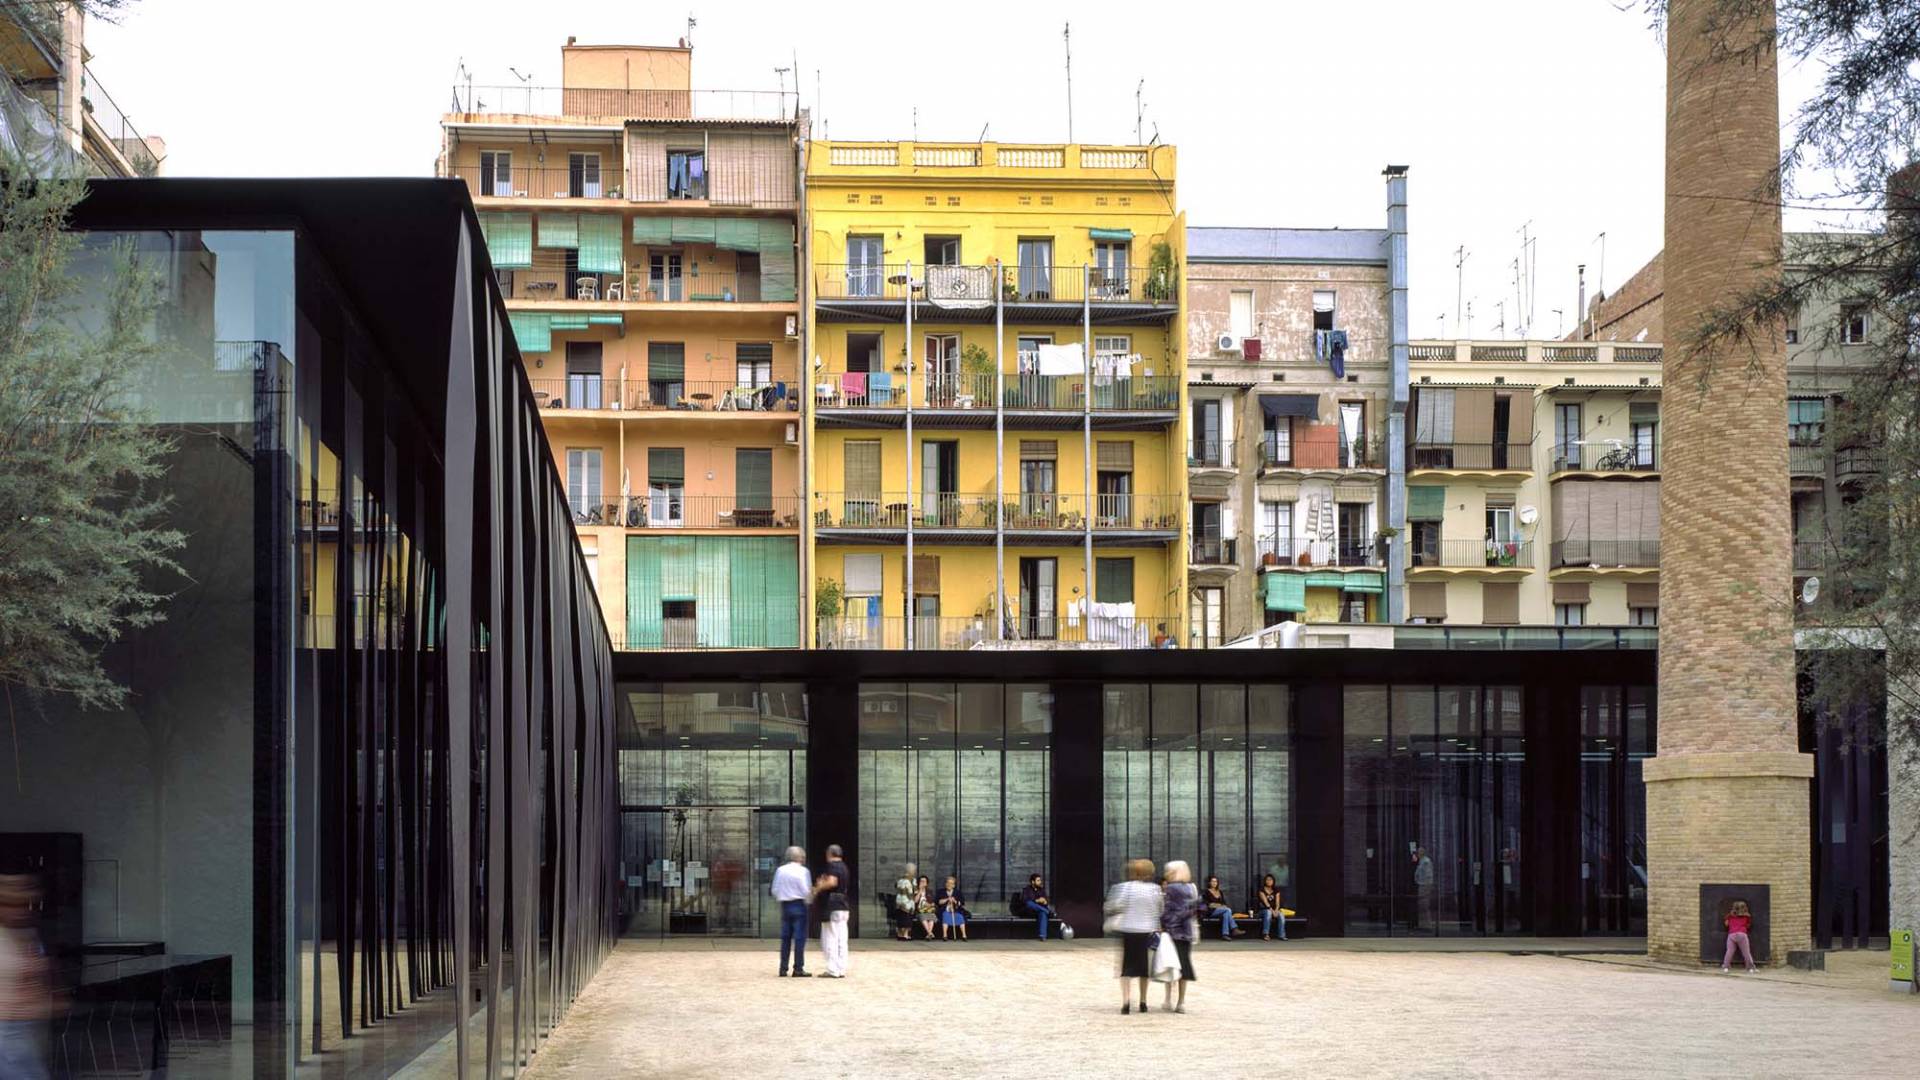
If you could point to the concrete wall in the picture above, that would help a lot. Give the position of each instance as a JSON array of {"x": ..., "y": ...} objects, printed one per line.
[{"x": 626, "y": 67}]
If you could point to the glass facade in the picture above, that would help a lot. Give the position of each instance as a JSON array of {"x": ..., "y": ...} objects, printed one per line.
[
  {"x": 1616, "y": 737},
  {"x": 1202, "y": 773},
  {"x": 955, "y": 779},
  {"x": 713, "y": 782}
]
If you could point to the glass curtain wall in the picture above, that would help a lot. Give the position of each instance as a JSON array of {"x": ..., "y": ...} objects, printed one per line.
[
  {"x": 712, "y": 791},
  {"x": 1616, "y": 736},
  {"x": 954, "y": 778},
  {"x": 1201, "y": 773},
  {"x": 1433, "y": 803}
]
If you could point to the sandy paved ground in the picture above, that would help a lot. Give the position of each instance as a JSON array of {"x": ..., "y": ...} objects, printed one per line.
[{"x": 1007, "y": 1009}]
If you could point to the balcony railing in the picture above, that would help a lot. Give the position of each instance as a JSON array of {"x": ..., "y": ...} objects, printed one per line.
[
  {"x": 1294, "y": 453},
  {"x": 1809, "y": 554},
  {"x": 1806, "y": 459},
  {"x": 1606, "y": 455},
  {"x": 1040, "y": 393},
  {"x": 320, "y": 512},
  {"x": 1505, "y": 456},
  {"x": 1032, "y": 512},
  {"x": 126, "y": 138},
  {"x": 598, "y": 393},
  {"x": 1013, "y": 284},
  {"x": 625, "y": 104},
  {"x": 1213, "y": 550},
  {"x": 955, "y": 633},
  {"x": 542, "y": 182},
  {"x": 1298, "y": 551},
  {"x": 1533, "y": 352},
  {"x": 1605, "y": 554},
  {"x": 1472, "y": 553},
  {"x": 1212, "y": 454},
  {"x": 677, "y": 510}
]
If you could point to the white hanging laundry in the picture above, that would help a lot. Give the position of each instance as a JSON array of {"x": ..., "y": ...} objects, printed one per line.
[{"x": 1062, "y": 360}]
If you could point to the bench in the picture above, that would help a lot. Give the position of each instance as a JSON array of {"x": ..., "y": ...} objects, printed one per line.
[{"x": 1296, "y": 925}]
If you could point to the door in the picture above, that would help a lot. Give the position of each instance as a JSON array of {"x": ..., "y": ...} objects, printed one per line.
[
  {"x": 666, "y": 487},
  {"x": 1036, "y": 390},
  {"x": 939, "y": 484},
  {"x": 583, "y": 485},
  {"x": 775, "y": 829},
  {"x": 942, "y": 250},
  {"x": 1566, "y": 437},
  {"x": 496, "y": 173},
  {"x": 1503, "y": 539},
  {"x": 943, "y": 370},
  {"x": 864, "y": 272},
  {"x": 1110, "y": 270},
  {"x": 1036, "y": 269},
  {"x": 664, "y": 280},
  {"x": 747, "y": 277},
  {"x": 1208, "y": 546},
  {"x": 709, "y": 890},
  {"x": 1207, "y": 449},
  {"x": 1356, "y": 546},
  {"x": 1038, "y": 578},
  {"x": 583, "y": 176},
  {"x": 583, "y": 374}
]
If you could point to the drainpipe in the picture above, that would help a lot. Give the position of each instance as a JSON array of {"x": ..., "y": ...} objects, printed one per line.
[
  {"x": 803, "y": 386},
  {"x": 1394, "y": 597},
  {"x": 908, "y": 365},
  {"x": 999, "y": 463},
  {"x": 1086, "y": 436}
]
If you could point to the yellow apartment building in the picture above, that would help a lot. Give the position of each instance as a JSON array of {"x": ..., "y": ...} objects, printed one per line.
[
  {"x": 644, "y": 234},
  {"x": 994, "y": 395},
  {"x": 1533, "y": 483}
]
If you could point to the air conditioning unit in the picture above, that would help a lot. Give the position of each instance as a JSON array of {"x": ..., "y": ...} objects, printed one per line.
[
  {"x": 793, "y": 327},
  {"x": 1251, "y": 347},
  {"x": 1227, "y": 343},
  {"x": 793, "y": 434}
]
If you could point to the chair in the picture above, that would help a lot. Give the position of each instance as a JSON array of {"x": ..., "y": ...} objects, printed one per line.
[
  {"x": 616, "y": 291},
  {"x": 586, "y": 288}
]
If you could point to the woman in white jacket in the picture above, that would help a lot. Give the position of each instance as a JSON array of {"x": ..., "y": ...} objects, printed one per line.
[{"x": 1133, "y": 909}]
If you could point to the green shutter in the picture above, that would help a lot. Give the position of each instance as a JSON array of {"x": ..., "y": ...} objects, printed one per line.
[
  {"x": 600, "y": 249},
  {"x": 1286, "y": 592},
  {"x": 655, "y": 231},
  {"x": 1326, "y": 579},
  {"x": 666, "y": 465},
  {"x": 714, "y": 608},
  {"x": 666, "y": 361},
  {"x": 1363, "y": 581},
  {"x": 782, "y": 596},
  {"x": 1113, "y": 581},
  {"x": 1110, "y": 234},
  {"x": 532, "y": 330},
  {"x": 1426, "y": 502},
  {"x": 643, "y": 593},
  {"x": 778, "y": 277},
  {"x": 748, "y": 571},
  {"x": 678, "y": 571},
  {"x": 692, "y": 230},
  {"x": 509, "y": 240},
  {"x": 567, "y": 322},
  {"x": 604, "y": 320},
  {"x": 737, "y": 234},
  {"x": 753, "y": 478},
  {"x": 559, "y": 230}
]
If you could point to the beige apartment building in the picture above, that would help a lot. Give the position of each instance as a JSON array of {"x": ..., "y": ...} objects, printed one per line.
[
  {"x": 54, "y": 112},
  {"x": 1289, "y": 379},
  {"x": 644, "y": 234}
]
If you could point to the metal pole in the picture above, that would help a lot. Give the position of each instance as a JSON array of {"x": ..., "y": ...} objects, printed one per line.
[
  {"x": 908, "y": 365},
  {"x": 1086, "y": 437},
  {"x": 999, "y": 463}
]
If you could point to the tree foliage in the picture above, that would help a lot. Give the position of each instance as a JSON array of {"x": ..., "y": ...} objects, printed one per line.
[{"x": 82, "y": 533}]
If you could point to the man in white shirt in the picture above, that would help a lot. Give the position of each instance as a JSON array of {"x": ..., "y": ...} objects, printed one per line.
[{"x": 793, "y": 888}]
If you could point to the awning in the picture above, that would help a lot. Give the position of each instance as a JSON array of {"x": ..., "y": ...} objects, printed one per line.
[
  {"x": 1278, "y": 405},
  {"x": 1326, "y": 579},
  {"x": 652, "y": 231},
  {"x": 1286, "y": 592},
  {"x": 1426, "y": 502},
  {"x": 1110, "y": 234},
  {"x": 600, "y": 249},
  {"x": 532, "y": 330},
  {"x": 1364, "y": 581},
  {"x": 509, "y": 240},
  {"x": 559, "y": 230}
]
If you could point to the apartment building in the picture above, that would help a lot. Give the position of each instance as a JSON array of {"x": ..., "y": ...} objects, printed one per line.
[
  {"x": 54, "y": 113},
  {"x": 1289, "y": 372},
  {"x": 995, "y": 395},
  {"x": 644, "y": 236},
  {"x": 1533, "y": 483}
]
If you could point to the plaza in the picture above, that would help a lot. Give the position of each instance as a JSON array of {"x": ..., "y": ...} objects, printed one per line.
[{"x": 1304, "y": 1009}]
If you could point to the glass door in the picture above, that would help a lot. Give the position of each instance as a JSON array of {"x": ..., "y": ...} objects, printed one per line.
[
  {"x": 708, "y": 876},
  {"x": 863, "y": 266},
  {"x": 1037, "y": 580},
  {"x": 775, "y": 828},
  {"x": 664, "y": 276}
]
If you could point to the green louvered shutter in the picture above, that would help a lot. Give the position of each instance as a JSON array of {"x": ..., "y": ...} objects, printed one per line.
[
  {"x": 1286, "y": 592},
  {"x": 559, "y": 230},
  {"x": 509, "y": 240},
  {"x": 1113, "y": 581},
  {"x": 783, "y": 592},
  {"x": 693, "y": 230},
  {"x": 1364, "y": 581},
  {"x": 666, "y": 361},
  {"x": 778, "y": 277},
  {"x": 747, "y": 562},
  {"x": 715, "y": 608},
  {"x": 679, "y": 576},
  {"x": 1426, "y": 502},
  {"x": 643, "y": 593},
  {"x": 1326, "y": 579},
  {"x": 753, "y": 478},
  {"x": 532, "y": 330},
  {"x": 654, "y": 231},
  {"x": 600, "y": 247},
  {"x": 737, "y": 234}
]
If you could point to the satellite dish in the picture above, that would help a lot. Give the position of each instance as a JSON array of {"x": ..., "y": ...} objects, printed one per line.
[
  {"x": 1810, "y": 590},
  {"x": 1528, "y": 515}
]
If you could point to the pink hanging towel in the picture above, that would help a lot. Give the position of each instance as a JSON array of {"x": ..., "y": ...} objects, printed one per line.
[{"x": 853, "y": 386}]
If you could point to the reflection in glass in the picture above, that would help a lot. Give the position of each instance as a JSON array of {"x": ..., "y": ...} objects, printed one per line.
[{"x": 1616, "y": 736}]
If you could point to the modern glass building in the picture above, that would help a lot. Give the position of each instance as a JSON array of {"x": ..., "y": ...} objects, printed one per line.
[{"x": 356, "y": 812}]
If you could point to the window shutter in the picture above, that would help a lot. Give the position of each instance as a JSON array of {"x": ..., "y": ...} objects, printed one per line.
[
  {"x": 1039, "y": 449},
  {"x": 713, "y": 590},
  {"x": 1113, "y": 581},
  {"x": 737, "y": 234},
  {"x": 509, "y": 240},
  {"x": 1349, "y": 491},
  {"x": 1115, "y": 456},
  {"x": 753, "y": 478},
  {"x": 559, "y": 230},
  {"x": 778, "y": 275},
  {"x": 653, "y": 231},
  {"x": 1572, "y": 592},
  {"x": 600, "y": 248},
  {"x": 1519, "y": 419},
  {"x": 643, "y": 593},
  {"x": 666, "y": 465},
  {"x": 1473, "y": 428},
  {"x": 747, "y": 570},
  {"x": 693, "y": 230},
  {"x": 666, "y": 361},
  {"x": 1499, "y": 603},
  {"x": 532, "y": 330},
  {"x": 1426, "y": 502},
  {"x": 1641, "y": 594},
  {"x": 781, "y": 560},
  {"x": 1286, "y": 592},
  {"x": 1643, "y": 412},
  {"x": 1427, "y": 600},
  {"x": 863, "y": 468},
  {"x": 863, "y": 574},
  {"x": 926, "y": 575}
]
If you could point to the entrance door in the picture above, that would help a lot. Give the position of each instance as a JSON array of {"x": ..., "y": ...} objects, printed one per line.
[
  {"x": 709, "y": 889},
  {"x": 1038, "y": 579},
  {"x": 775, "y": 828}
]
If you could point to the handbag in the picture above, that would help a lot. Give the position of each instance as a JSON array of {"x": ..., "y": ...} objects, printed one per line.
[{"x": 1166, "y": 960}]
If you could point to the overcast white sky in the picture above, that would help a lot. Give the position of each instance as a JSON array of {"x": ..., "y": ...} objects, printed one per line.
[{"x": 1509, "y": 112}]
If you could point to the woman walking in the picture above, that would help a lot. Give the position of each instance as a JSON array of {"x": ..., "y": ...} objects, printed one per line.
[
  {"x": 1133, "y": 908},
  {"x": 1179, "y": 918}
]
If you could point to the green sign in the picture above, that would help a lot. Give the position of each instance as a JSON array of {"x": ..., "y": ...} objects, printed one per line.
[{"x": 1903, "y": 956}]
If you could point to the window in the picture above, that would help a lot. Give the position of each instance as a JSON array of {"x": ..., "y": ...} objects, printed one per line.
[
  {"x": 1240, "y": 313},
  {"x": 583, "y": 485},
  {"x": 943, "y": 370},
  {"x": 865, "y": 275},
  {"x": 686, "y": 174},
  {"x": 1037, "y": 458},
  {"x": 1276, "y": 531},
  {"x": 1355, "y": 535},
  {"x": 1110, "y": 269},
  {"x": 1425, "y": 543},
  {"x": 1571, "y": 614},
  {"x": 1567, "y": 437},
  {"x": 1113, "y": 477},
  {"x": 666, "y": 373},
  {"x": 1209, "y": 535},
  {"x": 1644, "y": 616},
  {"x": 583, "y": 176},
  {"x": 664, "y": 276},
  {"x": 1277, "y": 441},
  {"x": 942, "y": 251},
  {"x": 1027, "y": 352},
  {"x": 753, "y": 364},
  {"x": 1500, "y": 525},
  {"x": 863, "y": 352},
  {"x": 496, "y": 173},
  {"x": 1353, "y": 607},
  {"x": 1854, "y": 324},
  {"x": 1353, "y": 435},
  {"x": 1322, "y": 310},
  {"x": 1793, "y": 326},
  {"x": 1645, "y": 420},
  {"x": 680, "y": 624},
  {"x": 1112, "y": 345},
  {"x": 1036, "y": 268},
  {"x": 1207, "y": 448},
  {"x": 1113, "y": 581},
  {"x": 583, "y": 375},
  {"x": 753, "y": 481},
  {"x": 1806, "y": 421},
  {"x": 666, "y": 486},
  {"x": 1206, "y": 617},
  {"x": 861, "y": 463}
]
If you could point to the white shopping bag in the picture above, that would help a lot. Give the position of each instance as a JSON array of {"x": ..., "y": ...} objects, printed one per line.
[{"x": 1166, "y": 960}]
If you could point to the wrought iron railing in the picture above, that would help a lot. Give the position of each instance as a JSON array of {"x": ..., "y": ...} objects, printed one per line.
[
  {"x": 119, "y": 130},
  {"x": 1505, "y": 456},
  {"x": 542, "y": 182},
  {"x": 1213, "y": 550},
  {"x": 1016, "y": 512},
  {"x": 1296, "y": 453},
  {"x": 1042, "y": 393},
  {"x": 1607, "y": 455},
  {"x": 1275, "y": 550},
  {"x": 1015, "y": 284},
  {"x": 1517, "y": 554},
  {"x": 950, "y": 633},
  {"x": 673, "y": 508},
  {"x": 1605, "y": 553}
]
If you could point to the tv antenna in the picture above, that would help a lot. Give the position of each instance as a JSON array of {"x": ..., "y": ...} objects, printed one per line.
[
  {"x": 1459, "y": 282},
  {"x": 1138, "y": 111},
  {"x": 1066, "y": 36},
  {"x": 691, "y": 23},
  {"x": 1559, "y": 322},
  {"x": 782, "y": 73}
]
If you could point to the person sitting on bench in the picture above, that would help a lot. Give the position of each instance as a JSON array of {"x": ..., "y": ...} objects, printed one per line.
[
  {"x": 1266, "y": 903},
  {"x": 953, "y": 910},
  {"x": 1217, "y": 907},
  {"x": 1035, "y": 901}
]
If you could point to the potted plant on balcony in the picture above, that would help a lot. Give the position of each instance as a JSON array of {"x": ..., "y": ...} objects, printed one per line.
[
  {"x": 977, "y": 365},
  {"x": 829, "y": 601},
  {"x": 1160, "y": 272}
]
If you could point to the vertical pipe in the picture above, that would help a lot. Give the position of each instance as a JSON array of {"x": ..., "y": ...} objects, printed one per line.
[
  {"x": 1393, "y": 599},
  {"x": 908, "y": 379},
  {"x": 1086, "y": 438},
  {"x": 999, "y": 464}
]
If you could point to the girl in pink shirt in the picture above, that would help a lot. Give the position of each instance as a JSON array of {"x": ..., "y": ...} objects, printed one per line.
[{"x": 1739, "y": 921}]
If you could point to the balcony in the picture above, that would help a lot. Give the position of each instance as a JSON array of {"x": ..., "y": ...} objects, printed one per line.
[
  {"x": 678, "y": 510},
  {"x": 1806, "y": 459},
  {"x": 538, "y": 182},
  {"x": 1471, "y": 457},
  {"x": 1213, "y": 550},
  {"x": 1471, "y": 555},
  {"x": 1809, "y": 555},
  {"x": 967, "y": 400},
  {"x": 553, "y": 278},
  {"x": 1212, "y": 454},
  {"x": 1607, "y": 456},
  {"x": 1283, "y": 551},
  {"x": 1533, "y": 352},
  {"x": 1586, "y": 554},
  {"x": 595, "y": 394},
  {"x": 1050, "y": 518},
  {"x": 105, "y": 115},
  {"x": 942, "y": 633},
  {"x": 624, "y": 104},
  {"x": 1316, "y": 456},
  {"x": 1034, "y": 294}
]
